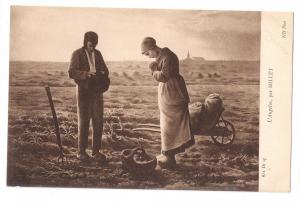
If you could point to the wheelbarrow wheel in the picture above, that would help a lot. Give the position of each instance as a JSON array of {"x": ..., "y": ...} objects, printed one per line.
[{"x": 223, "y": 133}]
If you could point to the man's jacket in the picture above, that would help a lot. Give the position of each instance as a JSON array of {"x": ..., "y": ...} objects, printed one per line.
[{"x": 79, "y": 66}]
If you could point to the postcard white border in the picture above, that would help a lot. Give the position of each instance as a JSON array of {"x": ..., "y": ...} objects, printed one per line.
[
  {"x": 52, "y": 195},
  {"x": 275, "y": 101}
]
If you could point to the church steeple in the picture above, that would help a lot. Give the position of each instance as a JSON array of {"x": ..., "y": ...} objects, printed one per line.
[{"x": 188, "y": 55}]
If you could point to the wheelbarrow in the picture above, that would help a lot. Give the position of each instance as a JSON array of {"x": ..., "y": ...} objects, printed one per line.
[{"x": 221, "y": 131}]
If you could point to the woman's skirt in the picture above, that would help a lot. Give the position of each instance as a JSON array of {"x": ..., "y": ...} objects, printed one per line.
[{"x": 175, "y": 124}]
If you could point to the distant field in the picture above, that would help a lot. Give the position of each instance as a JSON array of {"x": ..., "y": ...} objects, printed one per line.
[
  {"x": 32, "y": 150},
  {"x": 137, "y": 73}
]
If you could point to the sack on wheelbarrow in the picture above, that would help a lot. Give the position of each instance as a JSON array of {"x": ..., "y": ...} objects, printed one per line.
[
  {"x": 204, "y": 116},
  {"x": 197, "y": 112}
]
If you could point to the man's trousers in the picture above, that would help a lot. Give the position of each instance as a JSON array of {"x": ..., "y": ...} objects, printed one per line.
[{"x": 89, "y": 106}]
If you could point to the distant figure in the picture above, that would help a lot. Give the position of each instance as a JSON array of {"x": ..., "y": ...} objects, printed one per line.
[
  {"x": 86, "y": 66},
  {"x": 173, "y": 101}
]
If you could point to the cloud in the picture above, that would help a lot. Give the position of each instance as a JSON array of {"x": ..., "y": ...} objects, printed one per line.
[
  {"x": 52, "y": 33},
  {"x": 225, "y": 35}
]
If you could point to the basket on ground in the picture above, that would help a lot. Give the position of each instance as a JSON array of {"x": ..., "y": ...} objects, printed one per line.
[{"x": 137, "y": 162}]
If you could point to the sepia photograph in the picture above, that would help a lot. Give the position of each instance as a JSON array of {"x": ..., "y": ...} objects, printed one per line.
[{"x": 134, "y": 98}]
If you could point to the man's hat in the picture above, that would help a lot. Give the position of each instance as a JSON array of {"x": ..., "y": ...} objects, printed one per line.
[{"x": 90, "y": 36}]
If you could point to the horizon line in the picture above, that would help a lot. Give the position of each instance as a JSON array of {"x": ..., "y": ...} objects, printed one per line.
[{"x": 224, "y": 60}]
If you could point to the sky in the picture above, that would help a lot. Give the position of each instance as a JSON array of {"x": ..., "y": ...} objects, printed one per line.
[{"x": 52, "y": 33}]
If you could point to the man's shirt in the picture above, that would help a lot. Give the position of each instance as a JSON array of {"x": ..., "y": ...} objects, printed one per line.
[{"x": 91, "y": 59}]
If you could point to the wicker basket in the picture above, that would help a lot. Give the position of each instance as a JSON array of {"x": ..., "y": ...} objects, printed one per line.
[{"x": 137, "y": 162}]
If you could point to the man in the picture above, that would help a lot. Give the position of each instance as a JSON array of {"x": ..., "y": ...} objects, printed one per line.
[
  {"x": 173, "y": 100},
  {"x": 87, "y": 63}
]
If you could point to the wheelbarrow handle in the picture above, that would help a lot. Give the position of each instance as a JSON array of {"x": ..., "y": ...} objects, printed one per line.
[
  {"x": 146, "y": 129},
  {"x": 147, "y": 125}
]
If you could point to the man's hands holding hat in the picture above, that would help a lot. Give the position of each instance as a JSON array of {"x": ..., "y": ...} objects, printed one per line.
[{"x": 90, "y": 74}]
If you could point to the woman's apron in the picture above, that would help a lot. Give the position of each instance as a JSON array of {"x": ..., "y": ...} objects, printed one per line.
[{"x": 175, "y": 126}]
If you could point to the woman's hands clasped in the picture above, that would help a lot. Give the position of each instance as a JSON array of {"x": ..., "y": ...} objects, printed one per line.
[{"x": 153, "y": 66}]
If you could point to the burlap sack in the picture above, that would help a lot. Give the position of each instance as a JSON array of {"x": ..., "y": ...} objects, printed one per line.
[{"x": 204, "y": 116}]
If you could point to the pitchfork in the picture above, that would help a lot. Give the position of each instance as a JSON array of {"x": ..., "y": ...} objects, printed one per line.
[{"x": 61, "y": 158}]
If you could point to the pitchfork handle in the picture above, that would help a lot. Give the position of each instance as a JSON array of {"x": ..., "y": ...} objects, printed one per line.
[{"x": 54, "y": 118}]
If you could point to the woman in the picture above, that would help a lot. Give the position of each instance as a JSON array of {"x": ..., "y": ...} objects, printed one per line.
[{"x": 173, "y": 102}]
